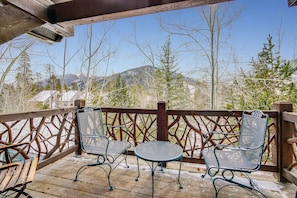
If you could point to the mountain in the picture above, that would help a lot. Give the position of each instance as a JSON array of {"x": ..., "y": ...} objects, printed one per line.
[{"x": 141, "y": 75}]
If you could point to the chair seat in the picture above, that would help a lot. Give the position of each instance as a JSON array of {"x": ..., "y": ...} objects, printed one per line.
[
  {"x": 17, "y": 174},
  {"x": 115, "y": 148},
  {"x": 230, "y": 160}
]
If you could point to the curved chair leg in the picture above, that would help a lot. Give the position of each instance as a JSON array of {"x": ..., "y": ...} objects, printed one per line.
[
  {"x": 108, "y": 173},
  {"x": 80, "y": 171},
  {"x": 203, "y": 175},
  {"x": 217, "y": 190},
  {"x": 253, "y": 188},
  {"x": 84, "y": 167}
]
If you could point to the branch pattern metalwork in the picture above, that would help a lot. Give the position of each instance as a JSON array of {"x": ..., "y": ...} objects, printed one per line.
[{"x": 47, "y": 132}]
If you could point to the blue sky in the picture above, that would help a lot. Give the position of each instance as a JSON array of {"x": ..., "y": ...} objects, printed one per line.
[
  {"x": 241, "y": 41},
  {"x": 260, "y": 18}
]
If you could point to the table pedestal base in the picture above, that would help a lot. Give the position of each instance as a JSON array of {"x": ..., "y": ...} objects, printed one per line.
[{"x": 153, "y": 168}]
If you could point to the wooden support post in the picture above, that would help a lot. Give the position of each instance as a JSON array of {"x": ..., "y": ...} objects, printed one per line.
[
  {"x": 80, "y": 104},
  {"x": 284, "y": 152},
  {"x": 162, "y": 122}
]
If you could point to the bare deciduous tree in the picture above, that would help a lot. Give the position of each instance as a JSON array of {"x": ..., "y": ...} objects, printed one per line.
[
  {"x": 63, "y": 66},
  {"x": 11, "y": 63},
  {"x": 148, "y": 53},
  {"x": 95, "y": 53},
  {"x": 8, "y": 97},
  {"x": 206, "y": 39}
]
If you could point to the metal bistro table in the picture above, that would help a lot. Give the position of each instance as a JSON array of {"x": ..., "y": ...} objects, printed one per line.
[{"x": 158, "y": 152}]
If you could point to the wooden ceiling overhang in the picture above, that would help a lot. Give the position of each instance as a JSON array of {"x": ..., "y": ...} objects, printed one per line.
[
  {"x": 292, "y": 3},
  {"x": 52, "y": 20}
]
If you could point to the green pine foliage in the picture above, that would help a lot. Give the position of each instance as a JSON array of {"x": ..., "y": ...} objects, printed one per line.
[
  {"x": 269, "y": 81},
  {"x": 53, "y": 83},
  {"x": 119, "y": 93},
  {"x": 170, "y": 87},
  {"x": 24, "y": 83},
  {"x": 24, "y": 76}
]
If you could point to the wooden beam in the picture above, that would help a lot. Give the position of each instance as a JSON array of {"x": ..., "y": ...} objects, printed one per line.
[
  {"x": 34, "y": 8},
  {"x": 90, "y": 11},
  {"x": 16, "y": 24},
  {"x": 292, "y": 3},
  {"x": 45, "y": 35},
  {"x": 67, "y": 30},
  {"x": 39, "y": 10}
]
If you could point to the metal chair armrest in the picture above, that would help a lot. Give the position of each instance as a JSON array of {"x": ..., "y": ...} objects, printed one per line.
[
  {"x": 96, "y": 136},
  {"x": 207, "y": 136},
  {"x": 124, "y": 129},
  {"x": 225, "y": 146},
  {"x": 102, "y": 137}
]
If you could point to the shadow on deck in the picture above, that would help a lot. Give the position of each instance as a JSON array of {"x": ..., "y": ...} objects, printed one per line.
[{"x": 56, "y": 180}]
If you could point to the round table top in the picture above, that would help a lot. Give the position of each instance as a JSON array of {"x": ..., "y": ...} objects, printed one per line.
[{"x": 158, "y": 151}]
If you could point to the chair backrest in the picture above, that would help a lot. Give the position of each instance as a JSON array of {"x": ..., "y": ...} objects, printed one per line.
[
  {"x": 91, "y": 127},
  {"x": 252, "y": 134}
]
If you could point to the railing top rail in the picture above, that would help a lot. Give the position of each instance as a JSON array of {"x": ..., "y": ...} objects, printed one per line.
[
  {"x": 35, "y": 114},
  {"x": 238, "y": 113},
  {"x": 290, "y": 117},
  {"x": 129, "y": 110}
]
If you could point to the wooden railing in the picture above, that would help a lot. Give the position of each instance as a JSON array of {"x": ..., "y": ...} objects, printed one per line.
[
  {"x": 186, "y": 128},
  {"x": 52, "y": 133},
  {"x": 288, "y": 148}
]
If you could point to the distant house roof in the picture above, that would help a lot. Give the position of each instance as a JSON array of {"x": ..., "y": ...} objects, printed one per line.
[
  {"x": 44, "y": 95},
  {"x": 69, "y": 95}
]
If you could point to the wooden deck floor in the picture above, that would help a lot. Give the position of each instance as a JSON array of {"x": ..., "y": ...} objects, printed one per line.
[{"x": 56, "y": 180}]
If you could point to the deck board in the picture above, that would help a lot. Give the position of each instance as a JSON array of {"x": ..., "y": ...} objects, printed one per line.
[{"x": 56, "y": 180}]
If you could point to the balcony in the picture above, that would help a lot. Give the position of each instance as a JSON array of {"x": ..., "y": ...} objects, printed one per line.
[
  {"x": 52, "y": 137},
  {"x": 56, "y": 180}
]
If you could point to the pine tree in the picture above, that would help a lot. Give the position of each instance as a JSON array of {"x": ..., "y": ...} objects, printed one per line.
[
  {"x": 24, "y": 81},
  {"x": 269, "y": 81},
  {"x": 52, "y": 82},
  {"x": 24, "y": 76},
  {"x": 119, "y": 93},
  {"x": 170, "y": 87}
]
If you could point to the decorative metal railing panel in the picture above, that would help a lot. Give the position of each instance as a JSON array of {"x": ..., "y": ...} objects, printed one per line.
[
  {"x": 47, "y": 132},
  {"x": 141, "y": 124},
  {"x": 187, "y": 129},
  {"x": 53, "y": 131}
]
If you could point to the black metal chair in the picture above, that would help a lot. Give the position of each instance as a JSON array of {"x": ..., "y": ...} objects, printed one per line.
[
  {"x": 223, "y": 161},
  {"x": 94, "y": 141}
]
